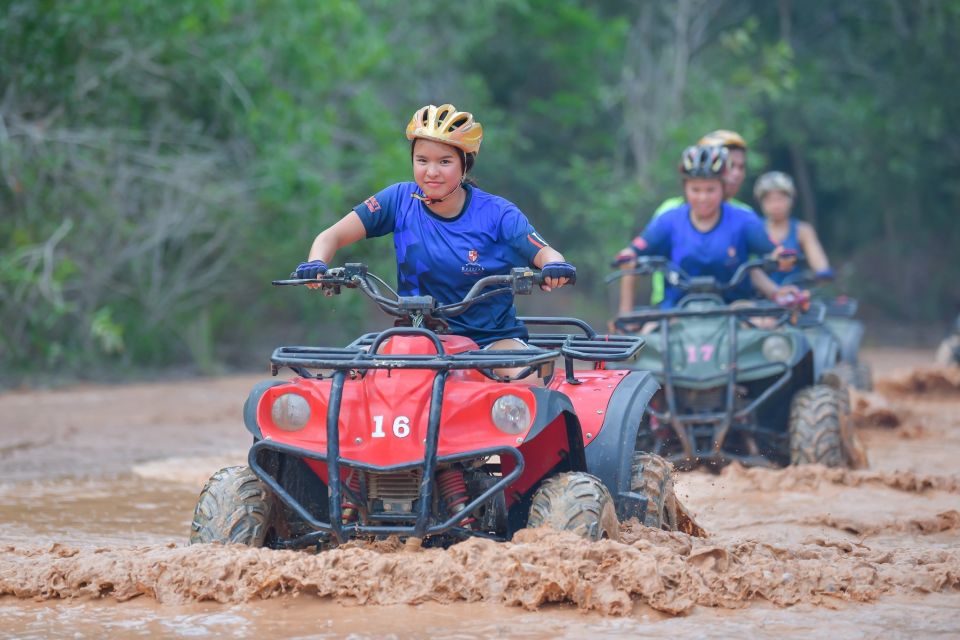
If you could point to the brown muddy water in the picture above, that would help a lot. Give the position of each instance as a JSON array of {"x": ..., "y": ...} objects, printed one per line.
[{"x": 97, "y": 488}]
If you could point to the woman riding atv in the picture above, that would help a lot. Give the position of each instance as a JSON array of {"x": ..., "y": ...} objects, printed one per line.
[
  {"x": 775, "y": 193},
  {"x": 447, "y": 232},
  {"x": 705, "y": 235},
  {"x": 735, "y": 170}
]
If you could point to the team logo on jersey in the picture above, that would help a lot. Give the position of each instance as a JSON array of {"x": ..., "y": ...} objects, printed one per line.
[
  {"x": 472, "y": 268},
  {"x": 732, "y": 252},
  {"x": 372, "y": 204}
]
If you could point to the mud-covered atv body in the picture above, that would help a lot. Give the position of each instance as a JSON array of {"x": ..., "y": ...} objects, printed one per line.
[
  {"x": 412, "y": 432},
  {"x": 742, "y": 382}
]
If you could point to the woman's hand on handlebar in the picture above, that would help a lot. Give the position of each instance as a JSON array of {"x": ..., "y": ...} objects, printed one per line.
[
  {"x": 311, "y": 270},
  {"x": 557, "y": 274},
  {"x": 625, "y": 259},
  {"x": 791, "y": 297}
]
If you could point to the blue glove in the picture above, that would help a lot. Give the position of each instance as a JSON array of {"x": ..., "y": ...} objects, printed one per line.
[
  {"x": 825, "y": 275},
  {"x": 559, "y": 270},
  {"x": 310, "y": 270}
]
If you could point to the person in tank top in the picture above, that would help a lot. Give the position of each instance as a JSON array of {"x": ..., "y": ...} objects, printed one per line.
[{"x": 775, "y": 192}]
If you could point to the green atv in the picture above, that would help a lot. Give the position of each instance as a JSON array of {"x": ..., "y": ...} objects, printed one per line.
[
  {"x": 842, "y": 324},
  {"x": 752, "y": 382}
]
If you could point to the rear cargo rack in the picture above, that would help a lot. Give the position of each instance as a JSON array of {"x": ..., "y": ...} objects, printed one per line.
[{"x": 590, "y": 347}]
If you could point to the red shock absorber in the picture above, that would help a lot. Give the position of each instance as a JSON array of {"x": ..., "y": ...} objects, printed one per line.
[
  {"x": 350, "y": 509},
  {"x": 453, "y": 490}
]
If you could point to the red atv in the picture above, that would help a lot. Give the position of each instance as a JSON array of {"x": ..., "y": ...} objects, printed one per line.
[{"x": 413, "y": 432}]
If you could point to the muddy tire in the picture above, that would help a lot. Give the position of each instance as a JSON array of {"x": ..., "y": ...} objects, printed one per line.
[
  {"x": 842, "y": 375},
  {"x": 864, "y": 377},
  {"x": 652, "y": 477},
  {"x": 576, "y": 502},
  {"x": 815, "y": 427},
  {"x": 234, "y": 507},
  {"x": 843, "y": 400}
]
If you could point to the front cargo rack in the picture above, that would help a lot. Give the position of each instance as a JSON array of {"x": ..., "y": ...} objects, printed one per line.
[{"x": 361, "y": 355}]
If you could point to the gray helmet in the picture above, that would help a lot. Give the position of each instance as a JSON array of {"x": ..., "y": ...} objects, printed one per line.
[
  {"x": 773, "y": 181},
  {"x": 703, "y": 161}
]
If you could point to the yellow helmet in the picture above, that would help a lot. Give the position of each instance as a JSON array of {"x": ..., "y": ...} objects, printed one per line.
[
  {"x": 447, "y": 125},
  {"x": 723, "y": 138}
]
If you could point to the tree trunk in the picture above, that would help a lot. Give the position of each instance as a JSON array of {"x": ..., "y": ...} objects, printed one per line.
[{"x": 808, "y": 200}]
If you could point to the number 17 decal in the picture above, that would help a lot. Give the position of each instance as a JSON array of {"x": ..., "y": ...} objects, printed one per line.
[{"x": 705, "y": 353}]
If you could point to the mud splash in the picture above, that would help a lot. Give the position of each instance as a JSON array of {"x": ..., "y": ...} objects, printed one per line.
[
  {"x": 670, "y": 572},
  {"x": 812, "y": 476},
  {"x": 933, "y": 381},
  {"x": 945, "y": 521},
  {"x": 90, "y": 497},
  {"x": 871, "y": 410}
]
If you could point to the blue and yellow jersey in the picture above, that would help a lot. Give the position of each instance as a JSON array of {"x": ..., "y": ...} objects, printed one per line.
[
  {"x": 718, "y": 252},
  {"x": 657, "y": 283}
]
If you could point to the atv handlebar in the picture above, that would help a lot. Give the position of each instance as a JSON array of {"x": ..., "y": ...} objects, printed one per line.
[
  {"x": 519, "y": 281},
  {"x": 647, "y": 265}
]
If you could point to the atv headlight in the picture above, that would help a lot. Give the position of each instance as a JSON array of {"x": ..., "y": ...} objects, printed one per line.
[
  {"x": 510, "y": 414},
  {"x": 290, "y": 412},
  {"x": 777, "y": 348}
]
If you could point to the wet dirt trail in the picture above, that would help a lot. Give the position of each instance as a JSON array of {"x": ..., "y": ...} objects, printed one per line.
[{"x": 98, "y": 484}]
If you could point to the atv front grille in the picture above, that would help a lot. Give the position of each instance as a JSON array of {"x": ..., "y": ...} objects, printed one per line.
[
  {"x": 393, "y": 492},
  {"x": 690, "y": 401}
]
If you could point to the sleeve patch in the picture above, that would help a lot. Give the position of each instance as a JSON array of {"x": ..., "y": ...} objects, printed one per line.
[
  {"x": 537, "y": 240},
  {"x": 372, "y": 205}
]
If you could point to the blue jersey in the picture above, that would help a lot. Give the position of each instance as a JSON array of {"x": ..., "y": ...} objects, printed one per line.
[
  {"x": 444, "y": 257},
  {"x": 792, "y": 241},
  {"x": 718, "y": 252}
]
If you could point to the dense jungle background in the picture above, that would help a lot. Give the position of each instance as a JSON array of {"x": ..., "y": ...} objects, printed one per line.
[{"x": 161, "y": 162}]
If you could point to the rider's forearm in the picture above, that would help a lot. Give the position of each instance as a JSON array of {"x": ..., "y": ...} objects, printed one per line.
[
  {"x": 763, "y": 283},
  {"x": 545, "y": 255},
  {"x": 347, "y": 230},
  {"x": 324, "y": 247},
  {"x": 813, "y": 250}
]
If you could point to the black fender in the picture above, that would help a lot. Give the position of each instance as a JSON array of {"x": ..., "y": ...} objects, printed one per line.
[
  {"x": 850, "y": 340},
  {"x": 826, "y": 350},
  {"x": 250, "y": 405},
  {"x": 610, "y": 454}
]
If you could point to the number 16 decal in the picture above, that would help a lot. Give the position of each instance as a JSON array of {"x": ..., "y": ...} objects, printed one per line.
[{"x": 401, "y": 427}]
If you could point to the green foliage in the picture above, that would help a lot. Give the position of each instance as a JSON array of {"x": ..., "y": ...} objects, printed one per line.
[{"x": 161, "y": 161}]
